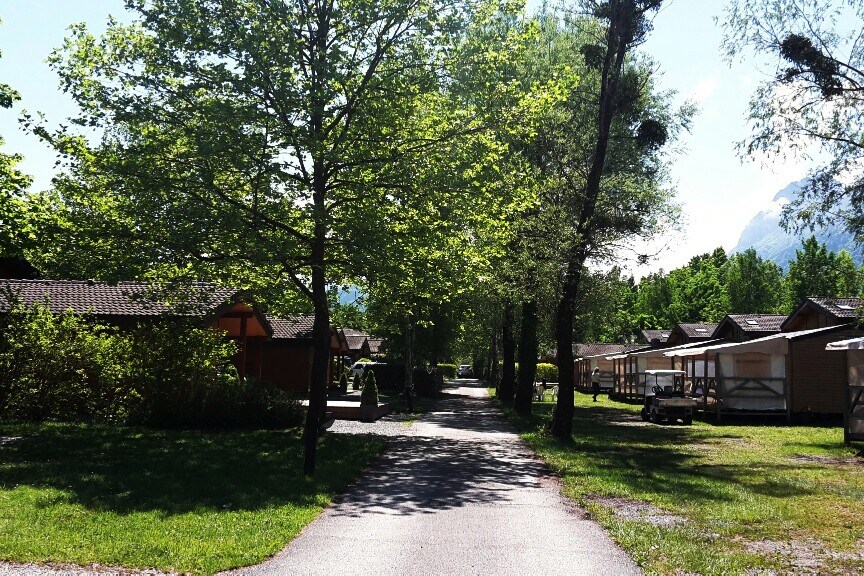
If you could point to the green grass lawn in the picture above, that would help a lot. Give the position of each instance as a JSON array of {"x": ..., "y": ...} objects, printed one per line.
[
  {"x": 747, "y": 497},
  {"x": 174, "y": 500}
]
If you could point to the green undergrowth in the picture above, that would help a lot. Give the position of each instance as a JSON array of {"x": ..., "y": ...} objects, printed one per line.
[
  {"x": 183, "y": 501},
  {"x": 730, "y": 499}
]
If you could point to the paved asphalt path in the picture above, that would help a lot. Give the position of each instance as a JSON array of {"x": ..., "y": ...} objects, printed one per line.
[{"x": 458, "y": 493}]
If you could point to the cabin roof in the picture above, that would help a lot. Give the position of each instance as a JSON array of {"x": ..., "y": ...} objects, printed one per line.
[
  {"x": 355, "y": 342},
  {"x": 376, "y": 345},
  {"x": 772, "y": 344},
  {"x": 661, "y": 335},
  {"x": 838, "y": 308},
  {"x": 753, "y": 322},
  {"x": 298, "y": 327},
  {"x": 696, "y": 330},
  {"x": 130, "y": 299},
  {"x": 592, "y": 350}
]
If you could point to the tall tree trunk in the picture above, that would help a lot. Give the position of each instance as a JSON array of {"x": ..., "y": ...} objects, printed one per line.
[
  {"x": 409, "y": 366},
  {"x": 528, "y": 347},
  {"x": 623, "y": 17},
  {"x": 321, "y": 338},
  {"x": 493, "y": 356},
  {"x": 508, "y": 350}
]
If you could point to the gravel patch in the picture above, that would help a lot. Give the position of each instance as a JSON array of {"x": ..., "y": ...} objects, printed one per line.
[
  {"x": 636, "y": 510},
  {"x": 15, "y": 569},
  {"x": 824, "y": 459},
  {"x": 391, "y": 425},
  {"x": 804, "y": 556}
]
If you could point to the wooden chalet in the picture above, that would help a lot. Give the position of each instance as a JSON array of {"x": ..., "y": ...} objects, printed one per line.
[
  {"x": 688, "y": 333},
  {"x": 593, "y": 355},
  {"x": 744, "y": 327},
  {"x": 853, "y": 409},
  {"x": 788, "y": 373},
  {"x": 629, "y": 381},
  {"x": 129, "y": 304},
  {"x": 822, "y": 312},
  {"x": 287, "y": 356}
]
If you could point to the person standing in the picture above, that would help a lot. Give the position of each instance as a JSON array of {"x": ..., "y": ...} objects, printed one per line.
[{"x": 595, "y": 383}]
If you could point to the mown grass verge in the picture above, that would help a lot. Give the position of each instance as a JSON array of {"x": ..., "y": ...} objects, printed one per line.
[
  {"x": 183, "y": 501},
  {"x": 730, "y": 499}
]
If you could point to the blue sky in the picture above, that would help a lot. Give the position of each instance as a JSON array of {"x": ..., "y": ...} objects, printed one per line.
[{"x": 719, "y": 192}]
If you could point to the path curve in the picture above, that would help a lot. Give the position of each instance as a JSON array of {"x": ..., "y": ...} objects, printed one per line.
[{"x": 457, "y": 493}]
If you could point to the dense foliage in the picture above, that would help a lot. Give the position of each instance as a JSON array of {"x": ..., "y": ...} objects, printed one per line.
[{"x": 63, "y": 367}]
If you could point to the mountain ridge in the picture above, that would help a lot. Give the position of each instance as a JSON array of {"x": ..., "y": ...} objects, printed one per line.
[{"x": 771, "y": 242}]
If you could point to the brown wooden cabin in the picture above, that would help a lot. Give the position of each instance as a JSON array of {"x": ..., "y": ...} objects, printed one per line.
[
  {"x": 688, "y": 333},
  {"x": 788, "y": 373},
  {"x": 629, "y": 370},
  {"x": 853, "y": 410},
  {"x": 821, "y": 313},
  {"x": 129, "y": 304},
  {"x": 596, "y": 355},
  {"x": 287, "y": 356},
  {"x": 744, "y": 327}
]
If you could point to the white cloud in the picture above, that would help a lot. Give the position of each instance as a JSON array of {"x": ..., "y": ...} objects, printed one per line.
[{"x": 704, "y": 89}]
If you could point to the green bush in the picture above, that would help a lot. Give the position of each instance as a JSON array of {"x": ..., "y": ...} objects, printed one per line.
[
  {"x": 369, "y": 395},
  {"x": 448, "y": 370},
  {"x": 63, "y": 367},
  {"x": 356, "y": 384},
  {"x": 343, "y": 383},
  {"x": 548, "y": 372}
]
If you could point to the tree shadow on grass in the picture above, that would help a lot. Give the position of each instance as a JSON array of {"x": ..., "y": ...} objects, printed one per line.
[
  {"x": 665, "y": 460},
  {"x": 134, "y": 469}
]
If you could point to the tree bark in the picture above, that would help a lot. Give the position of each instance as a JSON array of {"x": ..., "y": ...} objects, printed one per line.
[
  {"x": 493, "y": 355},
  {"x": 508, "y": 348},
  {"x": 622, "y": 17},
  {"x": 528, "y": 346},
  {"x": 409, "y": 366}
]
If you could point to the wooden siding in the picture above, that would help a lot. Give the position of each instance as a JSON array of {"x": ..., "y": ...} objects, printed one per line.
[
  {"x": 818, "y": 377},
  {"x": 810, "y": 318},
  {"x": 287, "y": 364}
]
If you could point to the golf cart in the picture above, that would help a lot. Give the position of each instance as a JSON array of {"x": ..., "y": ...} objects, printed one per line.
[{"x": 662, "y": 401}]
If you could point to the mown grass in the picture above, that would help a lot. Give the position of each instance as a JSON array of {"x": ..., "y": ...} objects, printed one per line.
[
  {"x": 185, "y": 501},
  {"x": 734, "y": 484}
]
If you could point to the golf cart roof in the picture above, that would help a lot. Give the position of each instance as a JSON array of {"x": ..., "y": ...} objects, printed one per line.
[{"x": 664, "y": 372}]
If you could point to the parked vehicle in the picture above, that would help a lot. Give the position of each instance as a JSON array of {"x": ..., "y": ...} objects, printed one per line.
[
  {"x": 465, "y": 371},
  {"x": 664, "y": 402},
  {"x": 360, "y": 368}
]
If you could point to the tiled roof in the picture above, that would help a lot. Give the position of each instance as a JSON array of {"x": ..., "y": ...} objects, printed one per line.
[
  {"x": 698, "y": 330},
  {"x": 839, "y": 307},
  {"x": 353, "y": 332},
  {"x": 355, "y": 342},
  {"x": 594, "y": 349},
  {"x": 376, "y": 345},
  {"x": 758, "y": 322},
  {"x": 661, "y": 335},
  {"x": 122, "y": 299},
  {"x": 292, "y": 327}
]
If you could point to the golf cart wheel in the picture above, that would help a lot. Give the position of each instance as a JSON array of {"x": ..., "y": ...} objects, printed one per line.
[
  {"x": 655, "y": 419},
  {"x": 644, "y": 414},
  {"x": 687, "y": 420}
]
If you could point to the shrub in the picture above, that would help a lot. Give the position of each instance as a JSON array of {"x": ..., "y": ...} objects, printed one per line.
[
  {"x": 548, "y": 372},
  {"x": 343, "y": 383},
  {"x": 428, "y": 384},
  {"x": 60, "y": 366},
  {"x": 448, "y": 370},
  {"x": 369, "y": 396},
  {"x": 356, "y": 382}
]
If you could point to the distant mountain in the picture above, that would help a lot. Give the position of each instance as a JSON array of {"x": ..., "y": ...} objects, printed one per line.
[{"x": 771, "y": 242}]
